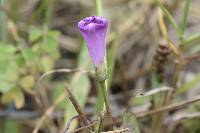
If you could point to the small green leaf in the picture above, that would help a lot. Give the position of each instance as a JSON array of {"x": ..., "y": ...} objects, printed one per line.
[
  {"x": 7, "y": 97},
  {"x": 5, "y": 86},
  {"x": 9, "y": 71},
  {"x": 46, "y": 64},
  {"x": 18, "y": 97},
  {"x": 140, "y": 100},
  {"x": 27, "y": 83},
  {"x": 35, "y": 33},
  {"x": 51, "y": 45},
  {"x": 30, "y": 55},
  {"x": 6, "y": 51},
  {"x": 130, "y": 121},
  {"x": 145, "y": 97},
  {"x": 15, "y": 95}
]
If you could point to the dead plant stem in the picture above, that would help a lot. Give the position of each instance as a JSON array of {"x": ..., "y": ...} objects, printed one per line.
[{"x": 77, "y": 106}]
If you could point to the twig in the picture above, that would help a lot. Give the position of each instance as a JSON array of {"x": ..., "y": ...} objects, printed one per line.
[
  {"x": 124, "y": 83},
  {"x": 48, "y": 112},
  {"x": 180, "y": 117},
  {"x": 69, "y": 123},
  {"x": 35, "y": 114},
  {"x": 118, "y": 131},
  {"x": 61, "y": 97},
  {"x": 77, "y": 106},
  {"x": 83, "y": 128},
  {"x": 169, "y": 108},
  {"x": 176, "y": 119},
  {"x": 101, "y": 122},
  {"x": 139, "y": 115},
  {"x": 64, "y": 70},
  {"x": 90, "y": 125}
]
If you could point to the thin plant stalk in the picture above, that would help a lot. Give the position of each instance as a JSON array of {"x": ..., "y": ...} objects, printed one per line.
[
  {"x": 77, "y": 106},
  {"x": 49, "y": 9},
  {"x": 99, "y": 9},
  {"x": 168, "y": 97},
  {"x": 3, "y": 32},
  {"x": 166, "y": 100},
  {"x": 103, "y": 86},
  {"x": 124, "y": 83},
  {"x": 183, "y": 23}
]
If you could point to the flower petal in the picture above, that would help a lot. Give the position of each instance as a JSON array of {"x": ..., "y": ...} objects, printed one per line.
[{"x": 94, "y": 29}]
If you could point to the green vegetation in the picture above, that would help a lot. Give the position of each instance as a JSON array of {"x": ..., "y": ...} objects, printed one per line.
[{"x": 151, "y": 88}]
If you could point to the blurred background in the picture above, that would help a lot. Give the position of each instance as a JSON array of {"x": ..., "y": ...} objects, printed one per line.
[{"x": 153, "y": 57}]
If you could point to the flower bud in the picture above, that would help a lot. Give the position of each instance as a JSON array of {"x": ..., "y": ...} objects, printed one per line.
[{"x": 93, "y": 30}]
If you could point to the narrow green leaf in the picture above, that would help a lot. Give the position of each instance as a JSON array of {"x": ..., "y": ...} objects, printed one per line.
[
  {"x": 16, "y": 95},
  {"x": 138, "y": 101},
  {"x": 35, "y": 33},
  {"x": 185, "y": 87},
  {"x": 58, "y": 91},
  {"x": 46, "y": 64},
  {"x": 169, "y": 17},
  {"x": 6, "y": 51},
  {"x": 27, "y": 83},
  {"x": 9, "y": 72},
  {"x": 145, "y": 97},
  {"x": 191, "y": 39},
  {"x": 111, "y": 52},
  {"x": 18, "y": 98},
  {"x": 183, "y": 23}
]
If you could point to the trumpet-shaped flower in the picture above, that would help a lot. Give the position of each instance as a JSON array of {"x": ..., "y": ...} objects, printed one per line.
[{"x": 93, "y": 30}]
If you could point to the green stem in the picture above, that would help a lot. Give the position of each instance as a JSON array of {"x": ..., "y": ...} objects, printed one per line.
[
  {"x": 99, "y": 9},
  {"x": 3, "y": 31},
  {"x": 49, "y": 9},
  {"x": 185, "y": 16},
  {"x": 103, "y": 88},
  {"x": 103, "y": 84}
]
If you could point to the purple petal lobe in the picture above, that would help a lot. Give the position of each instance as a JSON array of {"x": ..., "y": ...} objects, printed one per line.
[{"x": 93, "y": 30}]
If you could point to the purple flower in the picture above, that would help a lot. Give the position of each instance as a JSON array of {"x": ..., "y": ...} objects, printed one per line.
[{"x": 93, "y": 30}]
